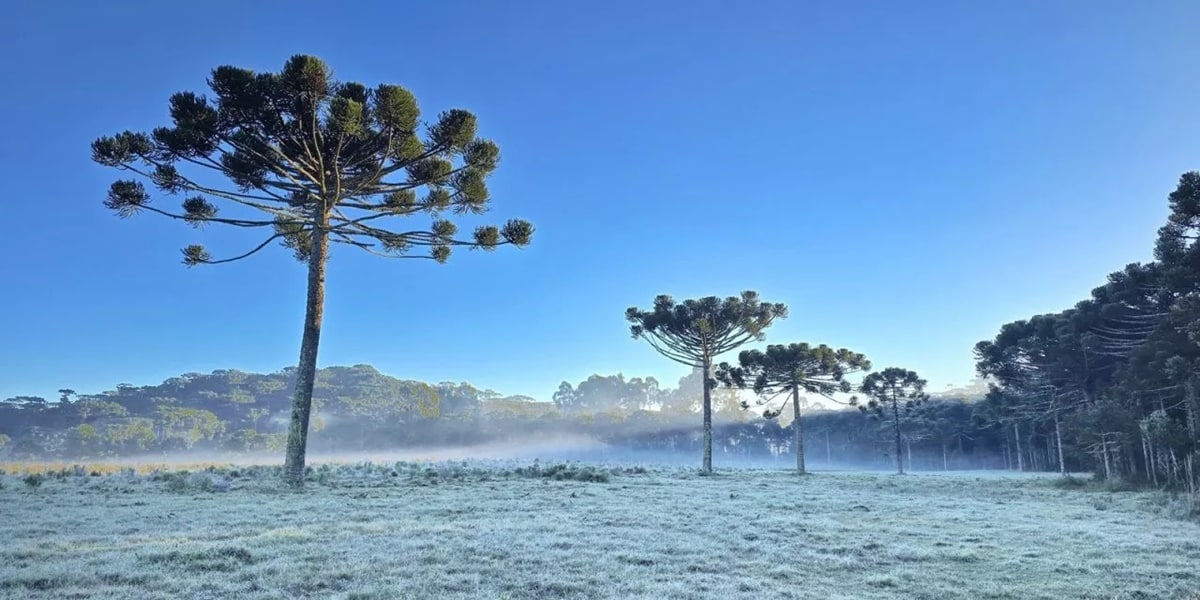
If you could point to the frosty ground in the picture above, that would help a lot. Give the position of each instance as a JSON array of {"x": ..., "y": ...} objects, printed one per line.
[{"x": 467, "y": 531}]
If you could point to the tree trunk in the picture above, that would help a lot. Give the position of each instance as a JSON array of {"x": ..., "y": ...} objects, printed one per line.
[
  {"x": 1062, "y": 465},
  {"x": 945, "y": 460},
  {"x": 707, "y": 464},
  {"x": 896, "y": 420},
  {"x": 828, "y": 454},
  {"x": 306, "y": 371},
  {"x": 1191, "y": 475},
  {"x": 1151, "y": 468},
  {"x": 798, "y": 427},
  {"x": 1017, "y": 437},
  {"x": 1193, "y": 407},
  {"x": 1104, "y": 450}
]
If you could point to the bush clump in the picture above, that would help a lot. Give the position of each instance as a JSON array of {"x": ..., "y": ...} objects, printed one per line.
[
  {"x": 180, "y": 482},
  {"x": 563, "y": 472},
  {"x": 1070, "y": 482},
  {"x": 1116, "y": 484}
]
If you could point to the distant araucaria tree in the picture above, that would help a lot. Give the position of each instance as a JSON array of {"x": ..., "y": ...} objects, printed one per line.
[
  {"x": 890, "y": 391},
  {"x": 695, "y": 332},
  {"x": 789, "y": 370},
  {"x": 311, "y": 161}
]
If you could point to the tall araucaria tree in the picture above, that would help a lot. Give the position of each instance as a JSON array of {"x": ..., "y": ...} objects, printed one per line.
[
  {"x": 891, "y": 390},
  {"x": 788, "y": 370},
  {"x": 695, "y": 332},
  {"x": 311, "y": 161}
]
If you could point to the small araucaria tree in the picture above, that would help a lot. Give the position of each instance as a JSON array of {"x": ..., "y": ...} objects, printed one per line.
[
  {"x": 311, "y": 161},
  {"x": 695, "y": 332},
  {"x": 792, "y": 369},
  {"x": 889, "y": 391}
]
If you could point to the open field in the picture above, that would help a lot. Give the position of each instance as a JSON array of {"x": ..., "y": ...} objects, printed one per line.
[{"x": 468, "y": 531}]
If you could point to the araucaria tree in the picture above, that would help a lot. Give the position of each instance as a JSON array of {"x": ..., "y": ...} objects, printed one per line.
[
  {"x": 889, "y": 391},
  {"x": 311, "y": 161},
  {"x": 695, "y": 332},
  {"x": 792, "y": 369}
]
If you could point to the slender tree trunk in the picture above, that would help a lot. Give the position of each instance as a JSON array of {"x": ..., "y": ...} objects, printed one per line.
[
  {"x": 1104, "y": 450},
  {"x": 1193, "y": 407},
  {"x": 899, "y": 449},
  {"x": 1017, "y": 436},
  {"x": 306, "y": 371},
  {"x": 1146, "y": 454},
  {"x": 798, "y": 426},
  {"x": 1193, "y": 421},
  {"x": 1191, "y": 475},
  {"x": 1062, "y": 465},
  {"x": 707, "y": 464},
  {"x": 1151, "y": 468},
  {"x": 828, "y": 454},
  {"x": 945, "y": 459}
]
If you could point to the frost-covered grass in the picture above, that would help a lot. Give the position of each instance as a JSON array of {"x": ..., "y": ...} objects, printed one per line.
[{"x": 532, "y": 530}]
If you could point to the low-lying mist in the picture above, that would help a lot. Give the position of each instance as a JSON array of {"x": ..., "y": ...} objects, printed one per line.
[{"x": 560, "y": 448}]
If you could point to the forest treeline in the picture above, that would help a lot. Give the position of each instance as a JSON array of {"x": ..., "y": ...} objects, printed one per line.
[
  {"x": 1117, "y": 376},
  {"x": 360, "y": 409}
]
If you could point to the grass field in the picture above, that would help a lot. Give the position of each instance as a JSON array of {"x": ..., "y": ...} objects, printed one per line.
[{"x": 464, "y": 531}]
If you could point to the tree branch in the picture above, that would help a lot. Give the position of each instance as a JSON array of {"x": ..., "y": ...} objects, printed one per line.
[
  {"x": 247, "y": 254},
  {"x": 235, "y": 222}
]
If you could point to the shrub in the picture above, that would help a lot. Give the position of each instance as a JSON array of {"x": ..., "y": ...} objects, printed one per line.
[
  {"x": 563, "y": 472},
  {"x": 175, "y": 482},
  {"x": 1070, "y": 482},
  {"x": 1116, "y": 484},
  {"x": 201, "y": 482},
  {"x": 1176, "y": 506},
  {"x": 184, "y": 481},
  {"x": 34, "y": 480}
]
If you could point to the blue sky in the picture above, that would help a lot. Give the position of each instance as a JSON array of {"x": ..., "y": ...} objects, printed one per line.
[{"x": 905, "y": 180}]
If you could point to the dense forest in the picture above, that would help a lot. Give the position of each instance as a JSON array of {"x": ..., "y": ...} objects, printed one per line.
[
  {"x": 1117, "y": 376},
  {"x": 359, "y": 409}
]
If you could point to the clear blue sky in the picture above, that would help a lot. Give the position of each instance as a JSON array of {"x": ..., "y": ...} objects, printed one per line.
[{"x": 905, "y": 179}]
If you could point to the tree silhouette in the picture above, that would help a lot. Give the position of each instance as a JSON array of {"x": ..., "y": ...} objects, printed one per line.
[
  {"x": 695, "y": 332},
  {"x": 790, "y": 369},
  {"x": 311, "y": 161},
  {"x": 889, "y": 390}
]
